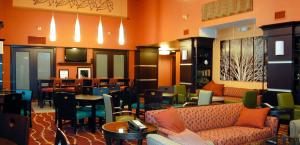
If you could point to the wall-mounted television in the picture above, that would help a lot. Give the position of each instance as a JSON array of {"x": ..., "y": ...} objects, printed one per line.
[{"x": 75, "y": 54}]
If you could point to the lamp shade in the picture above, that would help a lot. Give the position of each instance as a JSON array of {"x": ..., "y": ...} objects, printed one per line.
[
  {"x": 77, "y": 30},
  {"x": 121, "y": 34},
  {"x": 100, "y": 32},
  {"x": 52, "y": 35}
]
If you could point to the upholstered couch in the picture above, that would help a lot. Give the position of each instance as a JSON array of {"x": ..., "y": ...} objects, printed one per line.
[
  {"x": 233, "y": 95},
  {"x": 216, "y": 123}
]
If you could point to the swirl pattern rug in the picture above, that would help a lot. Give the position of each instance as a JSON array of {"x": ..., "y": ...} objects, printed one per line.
[{"x": 43, "y": 132}]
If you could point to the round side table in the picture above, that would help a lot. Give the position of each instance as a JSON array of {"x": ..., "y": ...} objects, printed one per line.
[{"x": 120, "y": 131}]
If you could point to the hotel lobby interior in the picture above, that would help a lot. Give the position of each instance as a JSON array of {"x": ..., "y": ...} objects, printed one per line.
[{"x": 149, "y": 72}]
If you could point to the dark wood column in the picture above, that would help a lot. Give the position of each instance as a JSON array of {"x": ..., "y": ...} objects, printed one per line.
[{"x": 146, "y": 68}]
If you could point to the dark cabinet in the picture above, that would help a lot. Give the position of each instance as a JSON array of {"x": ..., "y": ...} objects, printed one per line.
[
  {"x": 146, "y": 68},
  {"x": 196, "y": 61},
  {"x": 283, "y": 69}
]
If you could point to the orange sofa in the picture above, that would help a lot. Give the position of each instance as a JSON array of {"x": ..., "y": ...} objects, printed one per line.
[
  {"x": 216, "y": 123},
  {"x": 234, "y": 95}
]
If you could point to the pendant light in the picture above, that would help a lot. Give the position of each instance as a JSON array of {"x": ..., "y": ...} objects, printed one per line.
[
  {"x": 121, "y": 34},
  {"x": 52, "y": 35},
  {"x": 77, "y": 30},
  {"x": 100, "y": 32}
]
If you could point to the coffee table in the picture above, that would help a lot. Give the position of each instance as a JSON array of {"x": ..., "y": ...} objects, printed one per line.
[{"x": 120, "y": 131}]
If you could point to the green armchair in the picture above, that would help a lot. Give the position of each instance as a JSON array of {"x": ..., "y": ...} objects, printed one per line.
[
  {"x": 286, "y": 100},
  {"x": 250, "y": 99},
  {"x": 181, "y": 95}
]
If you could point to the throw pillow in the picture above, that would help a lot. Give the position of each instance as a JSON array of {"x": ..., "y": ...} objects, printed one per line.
[
  {"x": 187, "y": 137},
  {"x": 216, "y": 88},
  {"x": 253, "y": 117},
  {"x": 170, "y": 119}
]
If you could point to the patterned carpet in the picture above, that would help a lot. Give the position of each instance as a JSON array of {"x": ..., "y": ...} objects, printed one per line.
[{"x": 43, "y": 132}]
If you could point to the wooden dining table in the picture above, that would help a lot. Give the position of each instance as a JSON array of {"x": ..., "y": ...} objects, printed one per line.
[
  {"x": 4, "y": 141},
  {"x": 170, "y": 97},
  {"x": 92, "y": 100}
]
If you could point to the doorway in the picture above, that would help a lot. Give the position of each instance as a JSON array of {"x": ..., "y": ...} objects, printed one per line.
[
  {"x": 29, "y": 64},
  {"x": 166, "y": 70}
]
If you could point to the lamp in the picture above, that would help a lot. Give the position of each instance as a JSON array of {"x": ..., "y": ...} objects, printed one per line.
[
  {"x": 100, "y": 32},
  {"x": 1, "y": 46},
  {"x": 77, "y": 30},
  {"x": 121, "y": 34},
  {"x": 52, "y": 35},
  {"x": 164, "y": 49}
]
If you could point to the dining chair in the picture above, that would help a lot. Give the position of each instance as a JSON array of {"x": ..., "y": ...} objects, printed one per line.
[
  {"x": 12, "y": 103},
  {"x": 46, "y": 90},
  {"x": 112, "y": 115},
  {"x": 167, "y": 89},
  {"x": 250, "y": 99},
  {"x": 65, "y": 104},
  {"x": 14, "y": 128},
  {"x": 61, "y": 138},
  {"x": 26, "y": 103},
  {"x": 152, "y": 100},
  {"x": 286, "y": 100},
  {"x": 87, "y": 86}
]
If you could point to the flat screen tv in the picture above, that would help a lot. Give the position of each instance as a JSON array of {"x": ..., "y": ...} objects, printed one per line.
[{"x": 75, "y": 55}]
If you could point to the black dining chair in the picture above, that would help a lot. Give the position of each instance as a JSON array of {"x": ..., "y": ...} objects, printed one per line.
[
  {"x": 12, "y": 103},
  {"x": 61, "y": 138},
  {"x": 65, "y": 109},
  {"x": 153, "y": 100},
  {"x": 14, "y": 128}
]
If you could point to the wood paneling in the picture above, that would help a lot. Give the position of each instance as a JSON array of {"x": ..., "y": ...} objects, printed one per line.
[
  {"x": 146, "y": 68},
  {"x": 280, "y": 76}
]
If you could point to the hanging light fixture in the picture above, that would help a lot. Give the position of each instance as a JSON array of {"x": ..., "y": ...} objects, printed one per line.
[
  {"x": 77, "y": 30},
  {"x": 52, "y": 35},
  {"x": 121, "y": 34},
  {"x": 100, "y": 32}
]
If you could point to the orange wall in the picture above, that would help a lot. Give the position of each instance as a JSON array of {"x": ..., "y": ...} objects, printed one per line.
[
  {"x": 149, "y": 22},
  {"x": 165, "y": 70},
  {"x": 6, "y": 67},
  {"x": 21, "y": 23},
  {"x": 172, "y": 24}
]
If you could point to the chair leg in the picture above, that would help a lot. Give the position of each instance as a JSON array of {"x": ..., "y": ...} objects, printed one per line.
[
  {"x": 74, "y": 122},
  {"x": 59, "y": 123}
]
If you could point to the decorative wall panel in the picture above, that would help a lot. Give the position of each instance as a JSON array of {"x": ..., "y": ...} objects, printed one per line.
[
  {"x": 243, "y": 59},
  {"x": 223, "y": 8},
  {"x": 103, "y": 7}
]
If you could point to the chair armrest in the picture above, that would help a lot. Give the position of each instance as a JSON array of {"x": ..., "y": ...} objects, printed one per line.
[
  {"x": 294, "y": 128},
  {"x": 165, "y": 132},
  {"x": 155, "y": 139},
  {"x": 297, "y": 107},
  {"x": 189, "y": 104},
  {"x": 272, "y": 122},
  {"x": 123, "y": 112}
]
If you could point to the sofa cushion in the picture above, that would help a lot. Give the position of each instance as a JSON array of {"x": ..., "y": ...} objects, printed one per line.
[
  {"x": 188, "y": 137},
  {"x": 235, "y": 135},
  {"x": 235, "y": 92},
  {"x": 253, "y": 117},
  {"x": 170, "y": 119},
  {"x": 216, "y": 88}
]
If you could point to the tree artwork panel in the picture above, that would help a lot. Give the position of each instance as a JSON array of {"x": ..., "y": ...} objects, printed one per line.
[{"x": 243, "y": 59}]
